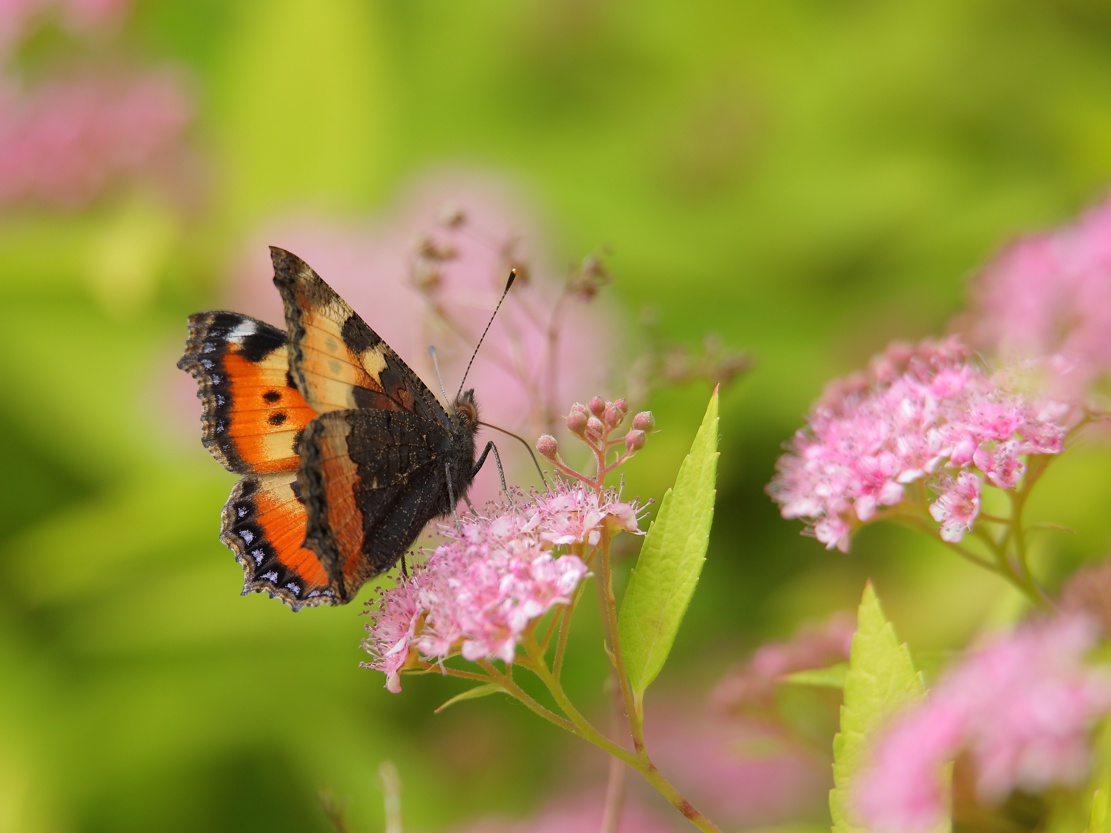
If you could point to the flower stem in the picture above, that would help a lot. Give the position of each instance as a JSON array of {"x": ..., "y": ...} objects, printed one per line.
[
  {"x": 514, "y": 690},
  {"x": 609, "y": 614}
]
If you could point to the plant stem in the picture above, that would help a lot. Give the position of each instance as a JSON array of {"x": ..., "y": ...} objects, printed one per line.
[
  {"x": 609, "y": 614},
  {"x": 511, "y": 688}
]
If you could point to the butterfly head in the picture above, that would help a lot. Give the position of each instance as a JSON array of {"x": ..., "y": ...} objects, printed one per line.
[{"x": 465, "y": 411}]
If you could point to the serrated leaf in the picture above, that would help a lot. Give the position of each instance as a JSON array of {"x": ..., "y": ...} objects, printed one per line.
[
  {"x": 670, "y": 562},
  {"x": 484, "y": 690},
  {"x": 880, "y": 680}
]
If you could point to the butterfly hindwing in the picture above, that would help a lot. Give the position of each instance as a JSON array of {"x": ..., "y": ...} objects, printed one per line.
[
  {"x": 252, "y": 413},
  {"x": 264, "y": 524}
]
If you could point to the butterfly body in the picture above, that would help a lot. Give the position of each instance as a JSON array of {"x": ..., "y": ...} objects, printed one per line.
[{"x": 345, "y": 454}]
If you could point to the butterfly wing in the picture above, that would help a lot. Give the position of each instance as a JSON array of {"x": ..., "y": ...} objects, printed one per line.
[
  {"x": 371, "y": 481},
  {"x": 252, "y": 417},
  {"x": 264, "y": 524},
  {"x": 375, "y": 464},
  {"x": 347, "y": 454},
  {"x": 252, "y": 414},
  {"x": 338, "y": 362}
]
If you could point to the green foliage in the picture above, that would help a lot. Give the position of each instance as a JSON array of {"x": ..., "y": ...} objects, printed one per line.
[
  {"x": 670, "y": 561},
  {"x": 804, "y": 209},
  {"x": 881, "y": 679}
]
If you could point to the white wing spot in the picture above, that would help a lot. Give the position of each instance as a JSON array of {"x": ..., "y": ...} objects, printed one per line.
[
  {"x": 270, "y": 575},
  {"x": 294, "y": 587},
  {"x": 207, "y": 364},
  {"x": 242, "y": 330},
  {"x": 257, "y": 555},
  {"x": 247, "y": 535}
]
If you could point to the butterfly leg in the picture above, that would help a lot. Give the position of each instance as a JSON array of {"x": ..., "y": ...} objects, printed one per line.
[
  {"x": 454, "y": 500},
  {"x": 501, "y": 470}
]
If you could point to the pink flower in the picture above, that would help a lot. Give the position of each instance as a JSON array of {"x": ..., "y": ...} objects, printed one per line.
[
  {"x": 923, "y": 413},
  {"x": 1022, "y": 709},
  {"x": 482, "y": 589},
  {"x": 957, "y": 505},
  {"x": 1047, "y": 298},
  {"x": 69, "y": 140}
]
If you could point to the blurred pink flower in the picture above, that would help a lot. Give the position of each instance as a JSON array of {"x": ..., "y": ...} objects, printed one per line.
[
  {"x": 519, "y": 375},
  {"x": 740, "y": 771},
  {"x": 479, "y": 230},
  {"x": 1047, "y": 298},
  {"x": 1021, "y": 708},
  {"x": 1088, "y": 592},
  {"x": 67, "y": 141},
  {"x": 922, "y": 413},
  {"x": 491, "y": 579},
  {"x": 814, "y": 646},
  {"x": 580, "y": 814},
  {"x": 81, "y": 17}
]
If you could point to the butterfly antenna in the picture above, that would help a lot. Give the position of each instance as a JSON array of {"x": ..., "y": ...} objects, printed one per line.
[
  {"x": 436, "y": 367},
  {"x": 508, "y": 284}
]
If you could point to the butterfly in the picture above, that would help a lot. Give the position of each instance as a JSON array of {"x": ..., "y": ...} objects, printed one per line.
[{"x": 345, "y": 454}]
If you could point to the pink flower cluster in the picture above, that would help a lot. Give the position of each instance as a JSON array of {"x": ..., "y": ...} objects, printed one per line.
[
  {"x": 73, "y": 138},
  {"x": 482, "y": 589},
  {"x": 1047, "y": 298},
  {"x": 1021, "y": 708},
  {"x": 921, "y": 413}
]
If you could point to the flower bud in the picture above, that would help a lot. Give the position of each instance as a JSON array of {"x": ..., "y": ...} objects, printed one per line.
[
  {"x": 613, "y": 416},
  {"x": 576, "y": 421},
  {"x": 547, "y": 447},
  {"x": 597, "y": 406},
  {"x": 635, "y": 440},
  {"x": 594, "y": 428},
  {"x": 644, "y": 421}
]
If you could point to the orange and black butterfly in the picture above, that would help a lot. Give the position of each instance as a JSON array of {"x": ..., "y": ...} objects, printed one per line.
[{"x": 345, "y": 454}]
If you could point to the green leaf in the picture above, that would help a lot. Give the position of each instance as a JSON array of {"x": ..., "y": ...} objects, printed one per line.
[
  {"x": 881, "y": 679},
  {"x": 1097, "y": 817},
  {"x": 670, "y": 561},
  {"x": 483, "y": 690}
]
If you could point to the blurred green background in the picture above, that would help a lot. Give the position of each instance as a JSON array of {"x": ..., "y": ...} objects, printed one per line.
[{"x": 808, "y": 180}]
